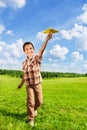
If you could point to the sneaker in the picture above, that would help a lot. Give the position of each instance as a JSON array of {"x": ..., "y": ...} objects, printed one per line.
[
  {"x": 31, "y": 123},
  {"x": 35, "y": 113}
]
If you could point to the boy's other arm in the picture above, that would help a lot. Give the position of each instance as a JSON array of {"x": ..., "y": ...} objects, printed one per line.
[
  {"x": 49, "y": 36},
  {"x": 21, "y": 83}
]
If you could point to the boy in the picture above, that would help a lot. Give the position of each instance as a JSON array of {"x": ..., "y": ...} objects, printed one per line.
[{"x": 32, "y": 78}]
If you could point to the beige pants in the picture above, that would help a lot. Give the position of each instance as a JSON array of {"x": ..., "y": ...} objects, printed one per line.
[{"x": 34, "y": 99}]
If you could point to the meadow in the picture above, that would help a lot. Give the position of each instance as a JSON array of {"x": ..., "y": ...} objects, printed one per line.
[{"x": 64, "y": 107}]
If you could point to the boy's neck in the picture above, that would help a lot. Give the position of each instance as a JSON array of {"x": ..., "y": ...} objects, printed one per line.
[{"x": 29, "y": 57}]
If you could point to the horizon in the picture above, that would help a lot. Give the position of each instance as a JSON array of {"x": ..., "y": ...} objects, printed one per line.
[{"x": 46, "y": 71}]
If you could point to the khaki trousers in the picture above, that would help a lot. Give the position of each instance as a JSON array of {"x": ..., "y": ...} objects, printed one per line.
[{"x": 34, "y": 99}]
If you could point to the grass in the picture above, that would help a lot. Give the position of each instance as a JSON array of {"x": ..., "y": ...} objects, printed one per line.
[{"x": 64, "y": 107}]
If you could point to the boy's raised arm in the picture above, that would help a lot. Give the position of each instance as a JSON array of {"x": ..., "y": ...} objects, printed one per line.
[{"x": 49, "y": 36}]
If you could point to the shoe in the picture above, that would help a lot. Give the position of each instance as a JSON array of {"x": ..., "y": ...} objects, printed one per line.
[
  {"x": 31, "y": 123},
  {"x": 35, "y": 113}
]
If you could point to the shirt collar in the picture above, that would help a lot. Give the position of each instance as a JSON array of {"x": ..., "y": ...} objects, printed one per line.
[{"x": 29, "y": 58}]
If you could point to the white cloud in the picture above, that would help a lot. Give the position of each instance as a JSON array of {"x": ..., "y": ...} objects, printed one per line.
[
  {"x": 0, "y": 48},
  {"x": 55, "y": 38},
  {"x": 74, "y": 67},
  {"x": 79, "y": 31},
  {"x": 41, "y": 36},
  {"x": 51, "y": 67},
  {"x": 66, "y": 34},
  {"x": 12, "y": 3},
  {"x": 83, "y": 17},
  {"x": 18, "y": 3},
  {"x": 2, "y": 45},
  {"x": 10, "y": 54},
  {"x": 77, "y": 56},
  {"x": 2, "y": 28},
  {"x": 10, "y": 63},
  {"x": 53, "y": 60},
  {"x": 85, "y": 67},
  {"x": 9, "y": 32},
  {"x": 59, "y": 51},
  {"x": 2, "y": 4},
  {"x": 15, "y": 49},
  {"x": 6, "y": 54},
  {"x": 2, "y": 61}
]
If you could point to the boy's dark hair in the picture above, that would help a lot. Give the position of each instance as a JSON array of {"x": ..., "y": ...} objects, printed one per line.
[{"x": 27, "y": 43}]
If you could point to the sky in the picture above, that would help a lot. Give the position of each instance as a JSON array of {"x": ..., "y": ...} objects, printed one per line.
[{"x": 25, "y": 20}]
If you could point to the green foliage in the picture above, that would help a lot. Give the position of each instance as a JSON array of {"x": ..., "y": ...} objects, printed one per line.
[
  {"x": 15, "y": 73},
  {"x": 64, "y": 107},
  {"x": 18, "y": 73}
]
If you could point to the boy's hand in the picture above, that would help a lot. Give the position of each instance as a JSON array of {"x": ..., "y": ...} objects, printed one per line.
[
  {"x": 49, "y": 36},
  {"x": 19, "y": 86}
]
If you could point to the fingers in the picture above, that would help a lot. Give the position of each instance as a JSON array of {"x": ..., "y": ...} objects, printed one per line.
[
  {"x": 50, "y": 35},
  {"x": 19, "y": 86}
]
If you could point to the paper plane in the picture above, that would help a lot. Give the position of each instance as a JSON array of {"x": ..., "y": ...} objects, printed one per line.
[{"x": 50, "y": 30}]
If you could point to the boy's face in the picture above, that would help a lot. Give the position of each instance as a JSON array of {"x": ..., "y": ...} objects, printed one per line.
[{"x": 29, "y": 50}]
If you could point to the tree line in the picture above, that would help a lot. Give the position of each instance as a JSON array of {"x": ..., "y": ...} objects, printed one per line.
[{"x": 18, "y": 73}]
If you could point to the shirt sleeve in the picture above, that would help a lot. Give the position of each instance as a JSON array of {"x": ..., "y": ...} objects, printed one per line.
[
  {"x": 38, "y": 59},
  {"x": 24, "y": 66}
]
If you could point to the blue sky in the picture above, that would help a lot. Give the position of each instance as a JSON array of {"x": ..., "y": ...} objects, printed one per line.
[{"x": 25, "y": 20}]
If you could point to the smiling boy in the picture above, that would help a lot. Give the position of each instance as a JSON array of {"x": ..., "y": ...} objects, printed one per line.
[{"x": 32, "y": 78}]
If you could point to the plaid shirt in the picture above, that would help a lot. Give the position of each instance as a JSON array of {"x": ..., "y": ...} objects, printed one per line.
[{"x": 31, "y": 69}]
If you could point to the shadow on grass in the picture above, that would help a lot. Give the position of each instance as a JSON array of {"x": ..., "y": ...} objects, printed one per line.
[{"x": 17, "y": 116}]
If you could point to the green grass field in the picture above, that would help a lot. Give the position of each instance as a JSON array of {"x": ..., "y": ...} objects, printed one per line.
[{"x": 64, "y": 107}]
